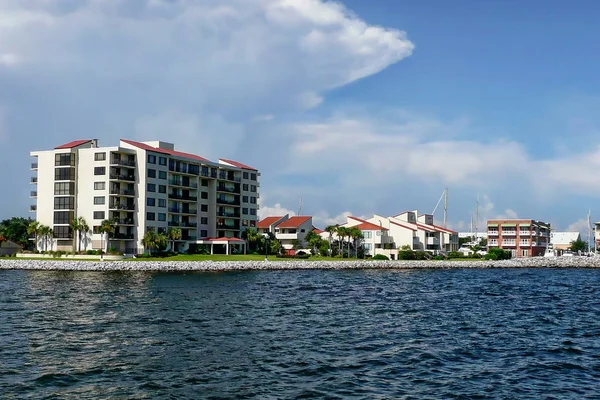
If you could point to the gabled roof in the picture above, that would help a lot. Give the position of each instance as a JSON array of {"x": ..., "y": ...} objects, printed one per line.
[
  {"x": 439, "y": 228},
  {"x": 425, "y": 227},
  {"x": 146, "y": 147},
  {"x": 238, "y": 164},
  {"x": 317, "y": 230},
  {"x": 404, "y": 225},
  {"x": 367, "y": 226},
  {"x": 267, "y": 222},
  {"x": 294, "y": 222},
  {"x": 564, "y": 237},
  {"x": 72, "y": 144}
]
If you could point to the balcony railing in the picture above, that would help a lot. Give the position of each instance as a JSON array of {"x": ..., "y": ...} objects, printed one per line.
[
  {"x": 122, "y": 206},
  {"x": 230, "y": 215},
  {"x": 33, "y": 194},
  {"x": 182, "y": 197},
  {"x": 122, "y": 192},
  {"x": 130, "y": 178},
  {"x": 493, "y": 233},
  {"x": 33, "y": 180},
  {"x": 509, "y": 233},
  {"x": 228, "y": 227},
  {"x": 125, "y": 163},
  {"x": 228, "y": 189},
  {"x": 122, "y": 221},
  {"x": 34, "y": 165},
  {"x": 524, "y": 233},
  {"x": 32, "y": 208},
  {"x": 122, "y": 236},
  {"x": 175, "y": 182},
  {"x": 231, "y": 202}
]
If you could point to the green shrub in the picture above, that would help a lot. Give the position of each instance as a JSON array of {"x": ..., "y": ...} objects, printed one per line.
[
  {"x": 455, "y": 254},
  {"x": 498, "y": 254},
  {"x": 406, "y": 255},
  {"x": 380, "y": 257},
  {"x": 438, "y": 258}
]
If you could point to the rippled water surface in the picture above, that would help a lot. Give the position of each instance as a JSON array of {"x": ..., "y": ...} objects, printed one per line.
[{"x": 300, "y": 334}]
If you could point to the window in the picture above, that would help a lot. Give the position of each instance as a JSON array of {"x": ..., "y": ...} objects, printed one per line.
[
  {"x": 204, "y": 182},
  {"x": 367, "y": 246},
  {"x": 65, "y": 159},
  {"x": 99, "y": 156},
  {"x": 245, "y": 211},
  {"x": 99, "y": 170},
  {"x": 162, "y": 160},
  {"x": 151, "y": 187},
  {"x": 98, "y": 214},
  {"x": 64, "y": 203},
  {"x": 203, "y": 233},
  {"x": 204, "y": 195},
  {"x": 204, "y": 207},
  {"x": 204, "y": 220},
  {"x": 162, "y": 202},
  {"x": 162, "y": 174},
  {"x": 99, "y": 185},
  {"x": 253, "y": 211},
  {"x": 63, "y": 217},
  {"x": 253, "y": 188},
  {"x": 62, "y": 232},
  {"x": 151, "y": 201},
  {"x": 64, "y": 188},
  {"x": 367, "y": 234},
  {"x": 245, "y": 186},
  {"x": 253, "y": 223},
  {"x": 151, "y": 159},
  {"x": 64, "y": 174},
  {"x": 150, "y": 216},
  {"x": 244, "y": 199},
  {"x": 244, "y": 222},
  {"x": 99, "y": 200},
  {"x": 151, "y": 173},
  {"x": 253, "y": 177},
  {"x": 162, "y": 216},
  {"x": 162, "y": 188},
  {"x": 246, "y": 175},
  {"x": 253, "y": 200}
]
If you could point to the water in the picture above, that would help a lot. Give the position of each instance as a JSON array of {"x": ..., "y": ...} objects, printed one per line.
[{"x": 300, "y": 334}]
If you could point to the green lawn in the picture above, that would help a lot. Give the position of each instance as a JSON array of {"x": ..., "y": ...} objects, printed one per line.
[{"x": 223, "y": 257}]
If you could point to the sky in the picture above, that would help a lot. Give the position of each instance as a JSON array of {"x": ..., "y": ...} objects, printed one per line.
[{"x": 351, "y": 108}]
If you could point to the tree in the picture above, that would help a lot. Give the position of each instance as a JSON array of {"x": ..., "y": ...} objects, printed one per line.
[
  {"x": 84, "y": 229},
  {"x": 107, "y": 227},
  {"x": 153, "y": 240},
  {"x": 275, "y": 246},
  {"x": 252, "y": 237},
  {"x": 331, "y": 230},
  {"x": 15, "y": 230},
  {"x": 578, "y": 245},
  {"x": 356, "y": 235},
  {"x": 341, "y": 232},
  {"x": 80, "y": 226},
  {"x": 46, "y": 235},
  {"x": 173, "y": 234},
  {"x": 296, "y": 244},
  {"x": 34, "y": 229},
  {"x": 314, "y": 241}
]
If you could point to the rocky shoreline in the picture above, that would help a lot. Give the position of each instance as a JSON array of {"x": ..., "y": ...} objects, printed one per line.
[{"x": 176, "y": 266}]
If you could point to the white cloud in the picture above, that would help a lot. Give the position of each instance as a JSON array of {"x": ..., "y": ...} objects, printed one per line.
[
  {"x": 276, "y": 210},
  {"x": 581, "y": 226},
  {"x": 323, "y": 219},
  {"x": 9, "y": 59}
]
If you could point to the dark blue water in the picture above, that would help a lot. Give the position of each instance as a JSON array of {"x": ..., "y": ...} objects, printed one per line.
[{"x": 301, "y": 334}]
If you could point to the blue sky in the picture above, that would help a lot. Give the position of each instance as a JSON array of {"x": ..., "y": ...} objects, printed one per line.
[{"x": 357, "y": 107}]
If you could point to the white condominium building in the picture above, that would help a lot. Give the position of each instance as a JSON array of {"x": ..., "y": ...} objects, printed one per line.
[{"x": 143, "y": 186}]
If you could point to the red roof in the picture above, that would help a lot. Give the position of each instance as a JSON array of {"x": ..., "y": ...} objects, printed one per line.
[
  {"x": 367, "y": 226},
  {"x": 238, "y": 164},
  {"x": 407, "y": 225},
  {"x": 293, "y": 222},
  {"x": 317, "y": 230},
  {"x": 222, "y": 239},
  {"x": 72, "y": 144},
  {"x": 146, "y": 147},
  {"x": 444, "y": 229},
  {"x": 267, "y": 222},
  {"x": 425, "y": 228}
]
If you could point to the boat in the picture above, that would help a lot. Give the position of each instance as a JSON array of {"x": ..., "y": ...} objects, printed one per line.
[{"x": 550, "y": 251}]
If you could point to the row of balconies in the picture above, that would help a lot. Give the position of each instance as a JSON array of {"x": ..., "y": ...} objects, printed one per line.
[
  {"x": 182, "y": 224},
  {"x": 493, "y": 243},
  {"x": 181, "y": 210},
  {"x": 179, "y": 182},
  {"x": 514, "y": 233}
]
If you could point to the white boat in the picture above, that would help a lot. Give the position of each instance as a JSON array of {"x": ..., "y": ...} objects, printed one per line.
[{"x": 550, "y": 251}]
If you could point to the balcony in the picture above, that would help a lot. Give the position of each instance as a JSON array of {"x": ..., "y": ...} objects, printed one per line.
[
  {"x": 127, "y": 178},
  {"x": 230, "y": 202},
  {"x": 433, "y": 241},
  {"x": 509, "y": 233},
  {"x": 509, "y": 243},
  {"x": 184, "y": 170},
  {"x": 525, "y": 243},
  {"x": 116, "y": 206},
  {"x": 123, "y": 221},
  {"x": 122, "y": 192},
  {"x": 182, "y": 197},
  {"x": 492, "y": 244},
  {"x": 228, "y": 227},
  {"x": 34, "y": 166},
  {"x": 33, "y": 180},
  {"x": 174, "y": 223},
  {"x": 286, "y": 236},
  {"x": 181, "y": 210},
  {"x": 122, "y": 236},
  {"x": 33, "y": 194},
  {"x": 492, "y": 233},
  {"x": 123, "y": 163},
  {"x": 228, "y": 214},
  {"x": 33, "y": 208},
  {"x": 227, "y": 189},
  {"x": 525, "y": 233},
  {"x": 176, "y": 182}
]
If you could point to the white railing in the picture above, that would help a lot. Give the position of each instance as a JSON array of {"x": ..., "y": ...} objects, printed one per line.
[
  {"x": 509, "y": 233},
  {"x": 494, "y": 233}
]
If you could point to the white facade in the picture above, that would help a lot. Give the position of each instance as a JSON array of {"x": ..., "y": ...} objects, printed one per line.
[
  {"x": 291, "y": 229},
  {"x": 141, "y": 186}
]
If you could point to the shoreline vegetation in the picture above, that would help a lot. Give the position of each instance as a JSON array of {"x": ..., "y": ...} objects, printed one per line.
[{"x": 244, "y": 263}]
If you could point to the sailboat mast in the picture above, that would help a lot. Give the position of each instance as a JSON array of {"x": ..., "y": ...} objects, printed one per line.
[{"x": 445, "y": 207}]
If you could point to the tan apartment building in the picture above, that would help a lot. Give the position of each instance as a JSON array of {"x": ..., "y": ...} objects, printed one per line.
[{"x": 522, "y": 237}]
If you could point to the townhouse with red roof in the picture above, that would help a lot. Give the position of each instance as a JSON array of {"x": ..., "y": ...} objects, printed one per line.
[{"x": 143, "y": 186}]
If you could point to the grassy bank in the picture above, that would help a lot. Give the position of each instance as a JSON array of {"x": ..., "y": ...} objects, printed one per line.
[{"x": 223, "y": 257}]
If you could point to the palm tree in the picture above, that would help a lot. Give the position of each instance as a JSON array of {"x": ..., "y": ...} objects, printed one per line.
[
  {"x": 45, "y": 232},
  {"x": 74, "y": 225},
  {"x": 253, "y": 237},
  {"x": 80, "y": 226},
  {"x": 84, "y": 228},
  {"x": 153, "y": 240},
  {"x": 341, "y": 234},
  {"x": 356, "y": 236},
  {"x": 173, "y": 234},
  {"x": 331, "y": 230},
  {"x": 313, "y": 239},
  {"x": 107, "y": 227},
  {"x": 34, "y": 229}
]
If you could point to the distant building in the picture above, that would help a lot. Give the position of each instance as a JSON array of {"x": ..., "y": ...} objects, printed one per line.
[
  {"x": 8, "y": 247},
  {"x": 522, "y": 237},
  {"x": 563, "y": 240}
]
